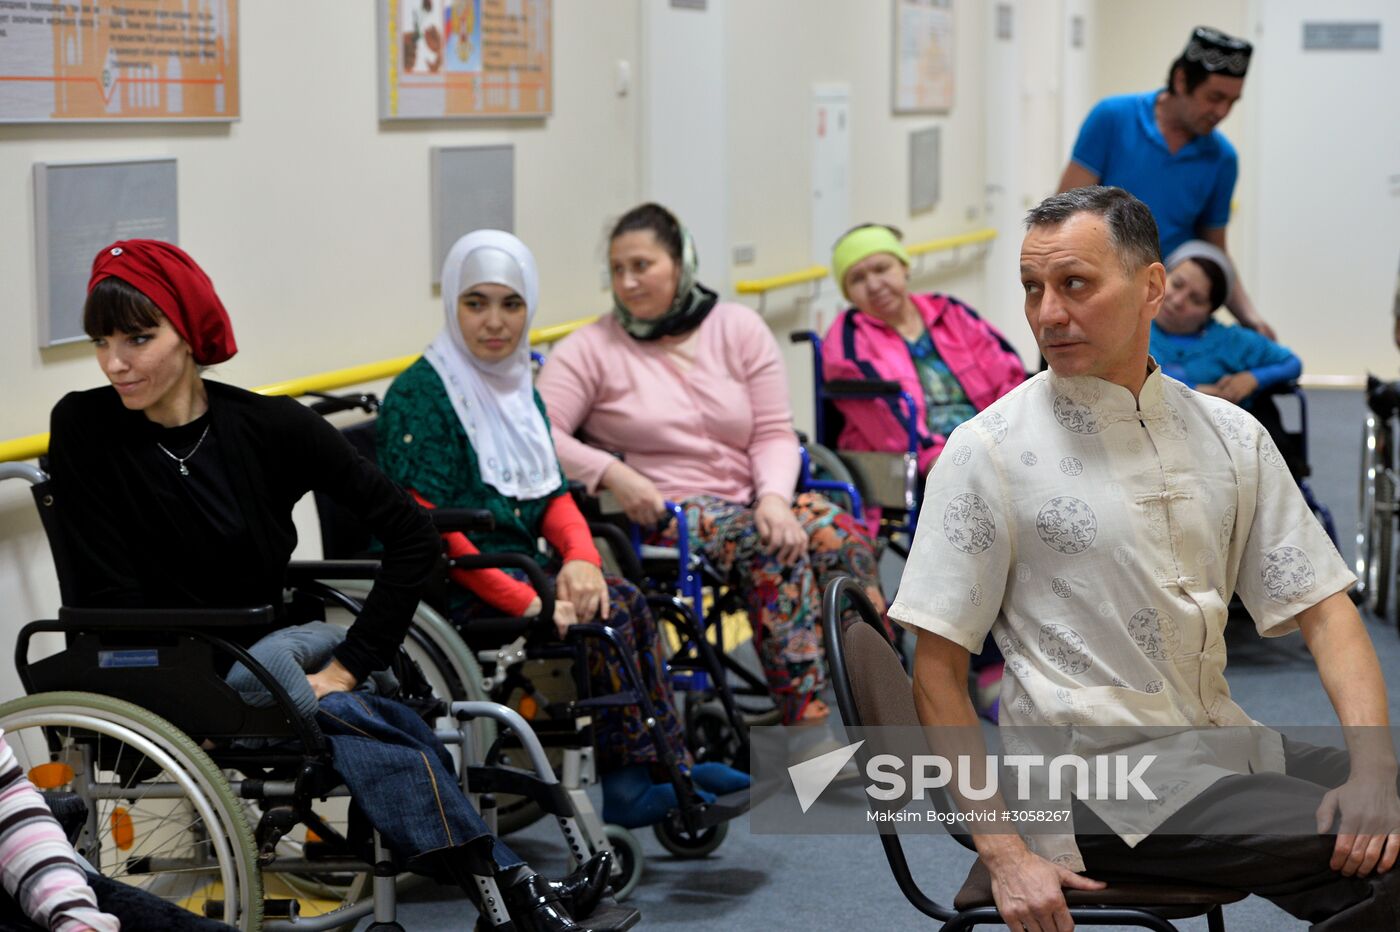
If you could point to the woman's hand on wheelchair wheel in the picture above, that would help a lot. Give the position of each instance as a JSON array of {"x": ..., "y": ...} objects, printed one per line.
[
  {"x": 333, "y": 678},
  {"x": 641, "y": 501},
  {"x": 581, "y": 584}
]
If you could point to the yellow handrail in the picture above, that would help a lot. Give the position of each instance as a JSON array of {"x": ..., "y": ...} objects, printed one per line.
[
  {"x": 761, "y": 286},
  {"x": 36, "y": 445},
  {"x": 951, "y": 242}
]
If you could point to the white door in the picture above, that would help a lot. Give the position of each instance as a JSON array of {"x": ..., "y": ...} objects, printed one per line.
[
  {"x": 684, "y": 163},
  {"x": 831, "y": 187},
  {"x": 1328, "y": 156},
  {"x": 1006, "y": 189}
]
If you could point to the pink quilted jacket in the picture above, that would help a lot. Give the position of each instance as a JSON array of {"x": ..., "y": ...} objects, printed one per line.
[{"x": 859, "y": 346}]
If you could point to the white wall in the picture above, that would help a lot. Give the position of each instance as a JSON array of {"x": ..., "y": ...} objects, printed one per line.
[
  {"x": 312, "y": 217},
  {"x": 313, "y": 220},
  {"x": 777, "y": 51}
]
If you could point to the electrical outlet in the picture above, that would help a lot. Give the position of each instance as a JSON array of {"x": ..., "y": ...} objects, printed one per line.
[{"x": 744, "y": 254}]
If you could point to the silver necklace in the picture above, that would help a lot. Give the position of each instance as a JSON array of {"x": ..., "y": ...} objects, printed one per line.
[{"x": 180, "y": 460}]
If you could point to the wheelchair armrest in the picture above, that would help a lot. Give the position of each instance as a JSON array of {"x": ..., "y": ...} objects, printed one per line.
[
  {"x": 861, "y": 388},
  {"x": 79, "y": 619},
  {"x": 305, "y": 571},
  {"x": 462, "y": 520},
  {"x": 330, "y": 404},
  {"x": 518, "y": 561},
  {"x": 621, "y": 545}
]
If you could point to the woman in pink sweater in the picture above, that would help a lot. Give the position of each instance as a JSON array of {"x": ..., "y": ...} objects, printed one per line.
[{"x": 691, "y": 391}]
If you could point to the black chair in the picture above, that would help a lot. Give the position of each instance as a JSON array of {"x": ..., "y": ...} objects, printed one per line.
[{"x": 872, "y": 689}]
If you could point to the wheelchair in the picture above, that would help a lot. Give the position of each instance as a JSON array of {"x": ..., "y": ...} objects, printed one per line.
[
  {"x": 887, "y": 481},
  {"x": 722, "y": 697},
  {"x": 1376, "y": 565},
  {"x": 212, "y": 803},
  {"x": 517, "y": 662},
  {"x": 1270, "y": 408}
]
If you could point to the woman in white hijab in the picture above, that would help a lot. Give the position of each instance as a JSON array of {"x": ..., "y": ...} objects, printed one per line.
[{"x": 464, "y": 428}]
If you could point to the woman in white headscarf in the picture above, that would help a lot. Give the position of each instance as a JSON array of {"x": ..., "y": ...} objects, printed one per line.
[{"x": 464, "y": 428}]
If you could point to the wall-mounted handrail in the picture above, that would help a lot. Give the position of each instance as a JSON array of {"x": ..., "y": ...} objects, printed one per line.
[
  {"x": 951, "y": 242},
  {"x": 773, "y": 283},
  {"x": 36, "y": 445},
  {"x": 816, "y": 273}
]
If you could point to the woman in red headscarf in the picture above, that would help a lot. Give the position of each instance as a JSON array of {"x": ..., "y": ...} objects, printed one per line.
[{"x": 177, "y": 491}]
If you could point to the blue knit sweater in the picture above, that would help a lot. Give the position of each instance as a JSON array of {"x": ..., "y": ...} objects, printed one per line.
[{"x": 1218, "y": 350}]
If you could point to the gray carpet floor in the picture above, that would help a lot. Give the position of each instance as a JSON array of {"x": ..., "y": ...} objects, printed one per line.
[{"x": 836, "y": 882}]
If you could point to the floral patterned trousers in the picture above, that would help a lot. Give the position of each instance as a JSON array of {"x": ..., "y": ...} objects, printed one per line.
[{"x": 784, "y": 602}]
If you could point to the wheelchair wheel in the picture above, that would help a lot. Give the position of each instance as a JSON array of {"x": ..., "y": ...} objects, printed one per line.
[
  {"x": 711, "y": 737},
  {"x": 1375, "y": 539},
  {"x": 827, "y": 465},
  {"x": 627, "y": 850},
  {"x": 674, "y": 837},
  {"x": 161, "y": 815}
]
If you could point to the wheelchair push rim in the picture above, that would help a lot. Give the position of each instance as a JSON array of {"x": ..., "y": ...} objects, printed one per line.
[{"x": 161, "y": 815}]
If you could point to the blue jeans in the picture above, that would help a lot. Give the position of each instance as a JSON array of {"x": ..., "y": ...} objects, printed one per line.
[{"x": 401, "y": 777}]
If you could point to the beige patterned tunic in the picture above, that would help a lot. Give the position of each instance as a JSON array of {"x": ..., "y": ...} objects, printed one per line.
[{"x": 1099, "y": 540}]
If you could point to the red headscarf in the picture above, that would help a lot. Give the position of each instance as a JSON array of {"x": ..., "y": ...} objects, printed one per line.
[{"x": 172, "y": 281}]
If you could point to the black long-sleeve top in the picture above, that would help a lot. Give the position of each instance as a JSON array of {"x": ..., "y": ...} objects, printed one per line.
[{"x": 137, "y": 533}]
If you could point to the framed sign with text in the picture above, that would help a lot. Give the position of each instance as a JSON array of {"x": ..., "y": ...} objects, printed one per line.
[
  {"x": 452, "y": 59},
  {"x": 118, "y": 60}
]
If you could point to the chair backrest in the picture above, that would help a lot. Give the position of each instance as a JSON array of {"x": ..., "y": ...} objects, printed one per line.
[
  {"x": 872, "y": 690},
  {"x": 343, "y": 535}
]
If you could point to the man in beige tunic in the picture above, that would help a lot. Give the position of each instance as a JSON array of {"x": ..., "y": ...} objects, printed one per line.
[{"x": 1096, "y": 521}]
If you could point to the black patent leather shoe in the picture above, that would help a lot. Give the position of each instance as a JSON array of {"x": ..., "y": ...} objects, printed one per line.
[
  {"x": 581, "y": 890},
  {"x": 535, "y": 907}
]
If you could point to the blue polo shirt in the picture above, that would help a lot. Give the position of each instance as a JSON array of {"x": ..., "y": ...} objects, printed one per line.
[{"x": 1187, "y": 192}]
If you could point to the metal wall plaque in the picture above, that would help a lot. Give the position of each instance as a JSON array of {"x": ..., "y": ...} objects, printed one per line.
[
  {"x": 473, "y": 188},
  {"x": 80, "y": 207},
  {"x": 925, "y": 169},
  {"x": 1004, "y": 18},
  {"x": 1342, "y": 37}
]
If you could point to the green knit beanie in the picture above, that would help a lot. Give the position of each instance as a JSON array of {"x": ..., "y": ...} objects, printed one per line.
[{"x": 861, "y": 243}]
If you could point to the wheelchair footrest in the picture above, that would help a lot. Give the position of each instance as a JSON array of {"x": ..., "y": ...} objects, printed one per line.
[
  {"x": 729, "y": 806},
  {"x": 610, "y": 915},
  {"x": 612, "y": 700}
]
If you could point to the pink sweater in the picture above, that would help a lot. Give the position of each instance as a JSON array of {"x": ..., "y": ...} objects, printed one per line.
[{"x": 721, "y": 426}]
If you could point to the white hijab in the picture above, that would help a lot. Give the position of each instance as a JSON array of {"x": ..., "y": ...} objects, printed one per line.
[{"x": 495, "y": 400}]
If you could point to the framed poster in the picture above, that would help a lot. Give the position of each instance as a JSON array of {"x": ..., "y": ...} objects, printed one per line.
[
  {"x": 450, "y": 59},
  {"x": 923, "y": 56},
  {"x": 89, "y": 61}
]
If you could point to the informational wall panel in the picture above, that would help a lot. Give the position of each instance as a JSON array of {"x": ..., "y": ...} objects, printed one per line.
[
  {"x": 473, "y": 188},
  {"x": 86, "y": 60},
  {"x": 923, "y": 56},
  {"x": 465, "y": 58},
  {"x": 80, "y": 207}
]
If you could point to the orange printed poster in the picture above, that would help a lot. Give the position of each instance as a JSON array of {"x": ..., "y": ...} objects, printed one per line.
[
  {"x": 114, "y": 60},
  {"x": 465, "y": 58}
]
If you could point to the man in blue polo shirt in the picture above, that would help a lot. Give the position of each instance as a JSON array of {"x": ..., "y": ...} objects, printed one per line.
[{"x": 1163, "y": 147}]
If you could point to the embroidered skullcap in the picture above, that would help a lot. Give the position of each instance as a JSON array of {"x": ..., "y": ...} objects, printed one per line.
[
  {"x": 1217, "y": 52},
  {"x": 175, "y": 284}
]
